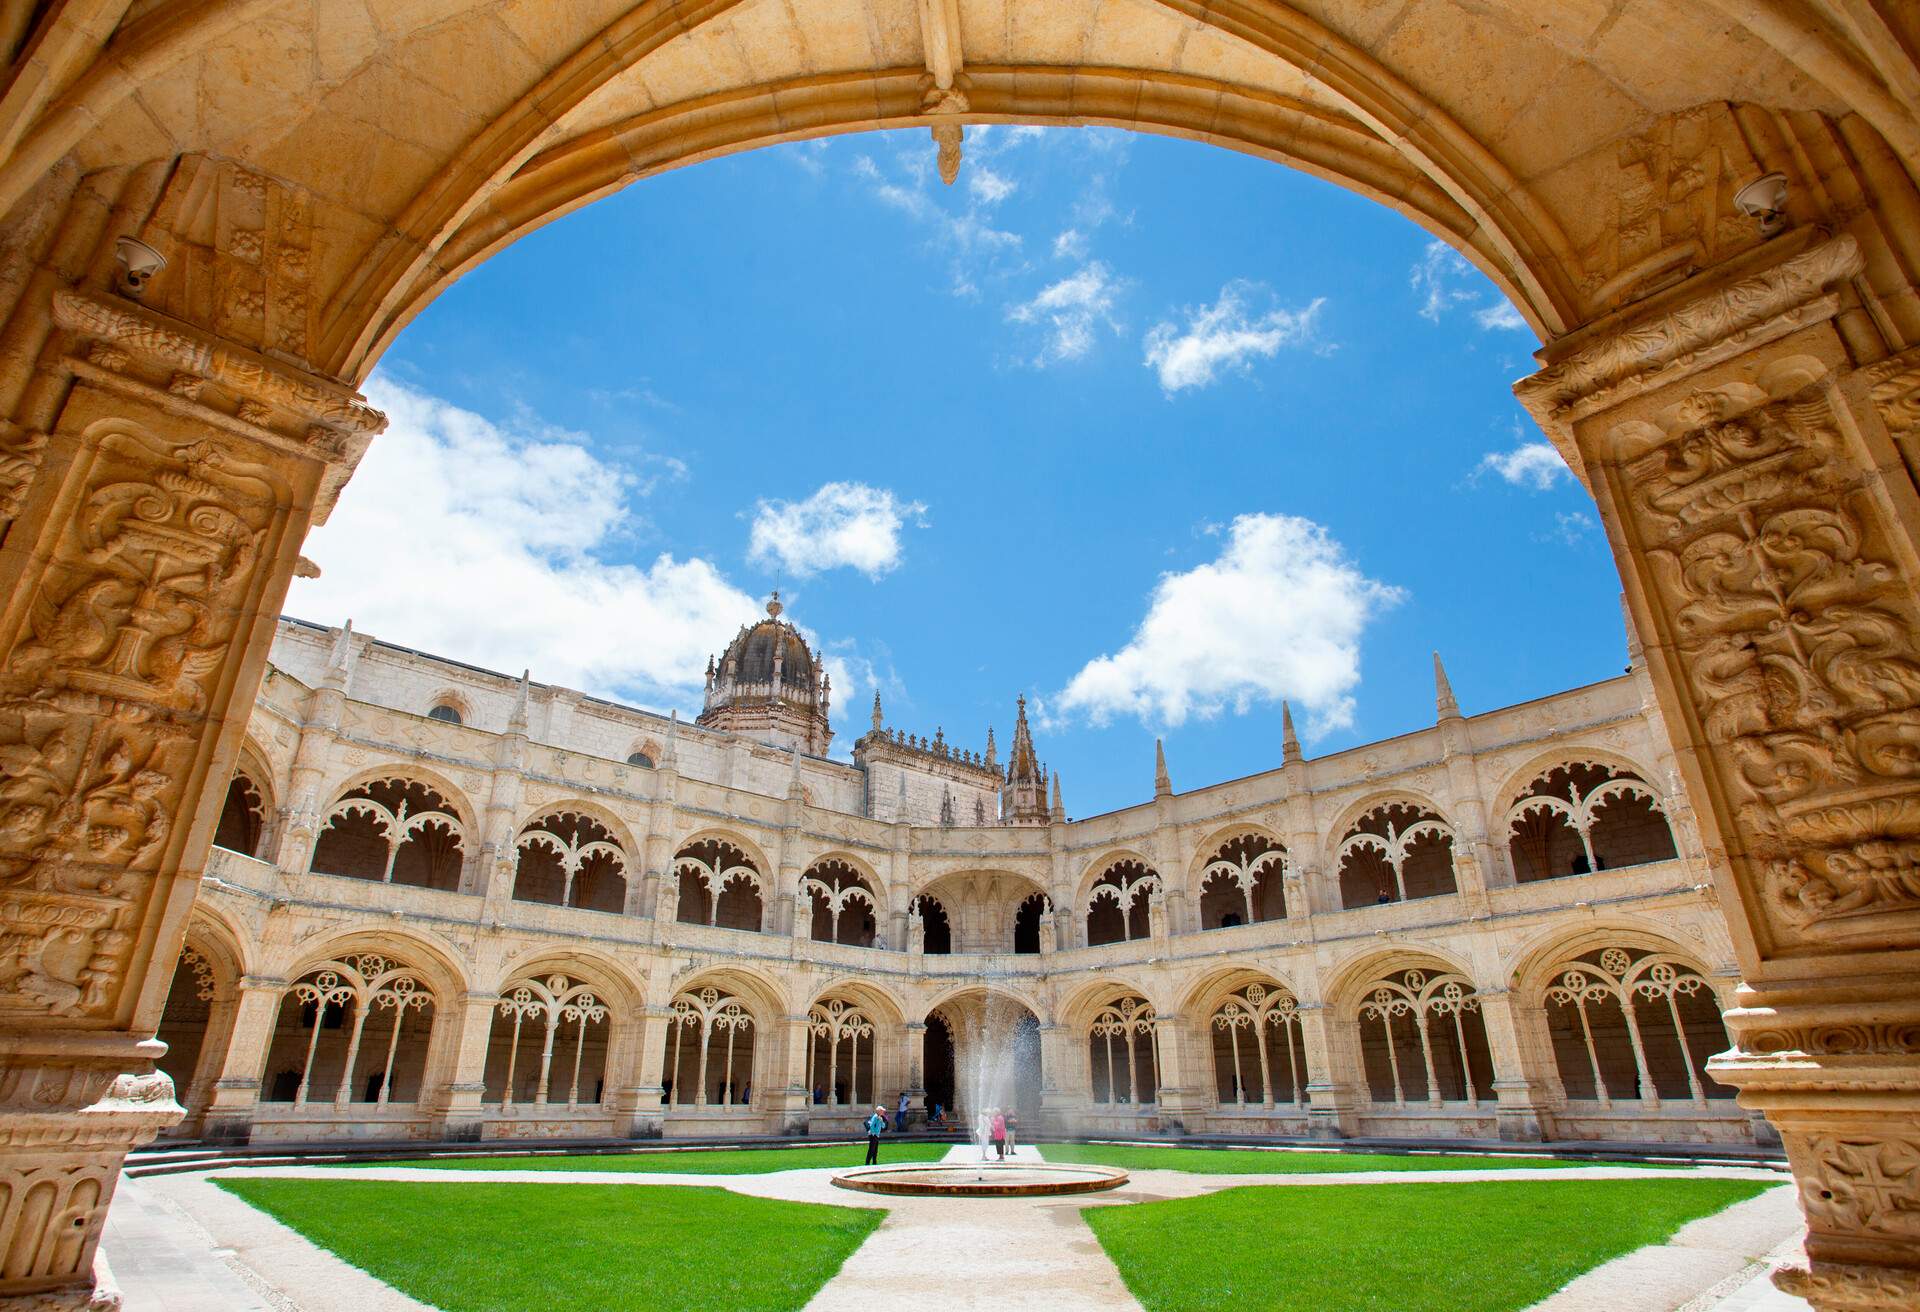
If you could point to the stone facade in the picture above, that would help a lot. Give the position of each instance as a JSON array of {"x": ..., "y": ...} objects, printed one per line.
[
  {"x": 504, "y": 928},
  {"x": 217, "y": 216}
]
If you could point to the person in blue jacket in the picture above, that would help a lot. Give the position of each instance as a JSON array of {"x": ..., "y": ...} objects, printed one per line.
[{"x": 876, "y": 1126}]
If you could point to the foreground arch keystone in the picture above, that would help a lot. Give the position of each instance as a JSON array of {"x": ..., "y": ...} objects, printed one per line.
[{"x": 1745, "y": 410}]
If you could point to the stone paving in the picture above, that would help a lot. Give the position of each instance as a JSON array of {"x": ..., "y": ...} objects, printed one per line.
[{"x": 181, "y": 1244}]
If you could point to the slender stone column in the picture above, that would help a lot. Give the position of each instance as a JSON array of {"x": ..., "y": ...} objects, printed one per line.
[
  {"x": 154, "y": 523},
  {"x": 1749, "y": 442},
  {"x": 236, "y": 1087}
]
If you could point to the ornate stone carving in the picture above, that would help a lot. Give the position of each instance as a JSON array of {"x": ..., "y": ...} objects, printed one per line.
[{"x": 1863, "y": 1184}]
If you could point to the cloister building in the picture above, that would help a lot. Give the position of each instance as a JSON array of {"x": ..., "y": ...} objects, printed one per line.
[{"x": 447, "y": 903}]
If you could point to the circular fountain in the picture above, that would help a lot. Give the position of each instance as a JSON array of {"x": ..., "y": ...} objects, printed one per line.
[{"x": 983, "y": 1179}]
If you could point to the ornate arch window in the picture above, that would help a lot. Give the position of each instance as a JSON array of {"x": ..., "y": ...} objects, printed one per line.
[
  {"x": 1393, "y": 853},
  {"x": 710, "y": 1050},
  {"x": 1243, "y": 882},
  {"x": 844, "y": 906},
  {"x": 641, "y": 759},
  {"x": 571, "y": 860},
  {"x": 1584, "y": 816},
  {"x": 1123, "y": 1053},
  {"x": 1632, "y": 1025},
  {"x": 719, "y": 885},
  {"x": 1263, "y": 1021},
  {"x": 446, "y": 713},
  {"x": 1030, "y": 923},
  {"x": 1430, "y": 1036},
  {"x": 838, "y": 1033},
  {"x": 355, "y": 1029},
  {"x": 536, "y": 1017},
  {"x": 1118, "y": 906},
  {"x": 243, "y": 817},
  {"x": 396, "y": 831},
  {"x": 936, "y": 929}
]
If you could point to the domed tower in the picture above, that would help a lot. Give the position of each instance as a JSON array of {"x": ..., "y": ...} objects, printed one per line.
[{"x": 768, "y": 686}]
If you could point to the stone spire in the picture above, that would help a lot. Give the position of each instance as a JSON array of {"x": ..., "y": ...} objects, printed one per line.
[
  {"x": 1058, "y": 812},
  {"x": 993, "y": 753},
  {"x": 1289, "y": 740},
  {"x": 1162, "y": 783},
  {"x": 878, "y": 719},
  {"x": 1449, "y": 709},
  {"x": 1023, "y": 797},
  {"x": 517, "y": 722},
  {"x": 340, "y": 659}
]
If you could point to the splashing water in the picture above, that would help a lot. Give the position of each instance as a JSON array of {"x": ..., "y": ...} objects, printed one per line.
[{"x": 993, "y": 1062}]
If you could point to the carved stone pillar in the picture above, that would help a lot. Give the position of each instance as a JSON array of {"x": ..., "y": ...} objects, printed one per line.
[
  {"x": 1756, "y": 483},
  {"x": 791, "y": 1100},
  {"x": 460, "y": 1115},
  {"x": 913, "y": 1063},
  {"x": 1062, "y": 1080},
  {"x": 646, "y": 1114},
  {"x": 1333, "y": 1074},
  {"x": 1185, "y": 1091},
  {"x": 156, "y": 531},
  {"x": 1520, "y": 1087},
  {"x": 236, "y": 1087}
]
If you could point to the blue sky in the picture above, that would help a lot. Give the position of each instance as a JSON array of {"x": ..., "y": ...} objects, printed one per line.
[{"x": 1151, "y": 432}]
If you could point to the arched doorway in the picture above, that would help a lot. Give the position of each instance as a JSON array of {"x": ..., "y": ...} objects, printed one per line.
[
  {"x": 995, "y": 1062},
  {"x": 1682, "y": 352}
]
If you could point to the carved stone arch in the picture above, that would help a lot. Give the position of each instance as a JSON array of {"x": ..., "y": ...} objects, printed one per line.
[
  {"x": 1199, "y": 997},
  {"x": 1092, "y": 872},
  {"x": 621, "y": 830},
  {"x": 1231, "y": 880},
  {"x": 732, "y": 837},
  {"x": 616, "y": 983},
  {"x": 845, "y": 901},
  {"x": 766, "y": 997},
  {"x": 1534, "y": 960},
  {"x": 1393, "y": 846},
  {"x": 574, "y": 853},
  {"x": 719, "y": 878},
  {"x": 1077, "y": 1007},
  {"x": 860, "y": 865},
  {"x": 1581, "y": 811},
  {"x": 1010, "y": 989},
  {"x": 456, "y": 797},
  {"x": 1346, "y": 983},
  {"x": 434, "y": 958},
  {"x": 214, "y": 933},
  {"x": 1519, "y": 780},
  {"x": 880, "y": 1002},
  {"x": 646, "y": 746},
  {"x": 397, "y": 824},
  {"x": 1353, "y": 812}
]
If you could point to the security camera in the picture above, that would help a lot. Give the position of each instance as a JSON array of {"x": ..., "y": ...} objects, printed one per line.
[
  {"x": 139, "y": 262},
  {"x": 1765, "y": 200}
]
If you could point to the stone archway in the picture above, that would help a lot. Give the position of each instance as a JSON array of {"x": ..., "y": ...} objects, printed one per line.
[{"x": 1740, "y": 393}]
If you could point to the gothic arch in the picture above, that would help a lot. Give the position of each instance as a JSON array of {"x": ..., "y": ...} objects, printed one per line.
[
  {"x": 1006, "y": 988},
  {"x": 437, "y": 960},
  {"x": 732, "y": 838},
  {"x": 618, "y": 984},
  {"x": 1216, "y": 985},
  {"x": 1091, "y": 872},
  {"x": 1518, "y": 780},
  {"x": 443, "y": 784},
  {"x": 1353, "y": 812},
  {"x": 1076, "y": 1008},
  {"x": 1347, "y": 982},
  {"x": 610, "y": 819},
  {"x": 876, "y": 998}
]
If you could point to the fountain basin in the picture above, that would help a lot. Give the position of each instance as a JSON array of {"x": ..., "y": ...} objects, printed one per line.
[{"x": 982, "y": 1180}]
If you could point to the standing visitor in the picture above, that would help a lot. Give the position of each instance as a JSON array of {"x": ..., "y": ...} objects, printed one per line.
[
  {"x": 1013, "y": 1130},
  {"x": 876, "y": 1126},
  {"x": 999, "y": 1135},
  {"x": 900, "y": 1117},
  {"x": 983, "y": 1130}
]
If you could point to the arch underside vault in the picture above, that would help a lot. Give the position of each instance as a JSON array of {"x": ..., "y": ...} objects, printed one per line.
[{"x": 1740, "y": 398}]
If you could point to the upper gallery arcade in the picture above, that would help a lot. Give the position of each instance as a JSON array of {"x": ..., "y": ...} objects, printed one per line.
[{"x": 218, "y": 214}]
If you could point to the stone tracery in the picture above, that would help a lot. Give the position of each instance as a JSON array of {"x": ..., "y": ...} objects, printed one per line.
[
  {"x": 1123, "y": 1053},
  {"x": 843, "y": 904},
  {"x": 543, "y": 1006},
  {"x": 1243, "y": 883},
  {"x": 1586, "y": 816},
  {"x": 719, "y": 885},
  {"x": 711, "y": 1047},
  {"x": 344, "y": 994},
  {"x": 838, "y": 1032},
  {"x": 1396, "y": 851},
  {"x": 1663, "y": 1008},
  {"x": 1261, "y": 1018},
  {"x": 570, "y": 858},
  {"x": 1119, "y": 906},
  {"x": 1409, "y": 1006},
  {"x": 393, "y": 830}
]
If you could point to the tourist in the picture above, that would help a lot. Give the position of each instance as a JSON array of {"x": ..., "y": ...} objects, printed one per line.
[
  {"x": 999, "y": 1135},
  {"x": 900, "y": 1116},
  {"x": 876, "y": 1126},
  {"x": 1013, "y": 1130},
  {"x": 983, "y": 1130}
]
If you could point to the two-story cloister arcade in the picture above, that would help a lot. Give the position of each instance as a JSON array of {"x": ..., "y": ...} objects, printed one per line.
[{"x": 1730, "y": 369}]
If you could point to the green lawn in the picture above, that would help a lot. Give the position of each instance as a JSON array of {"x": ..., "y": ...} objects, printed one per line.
[
  {"x": 1490, "y": 1246},
  {"x": 691, "y": 1161},
  {"x": 485, "y": 1247},
  {"x": 1250, "y": 1161}
]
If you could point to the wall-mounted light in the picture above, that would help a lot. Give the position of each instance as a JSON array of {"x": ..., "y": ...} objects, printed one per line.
[
  {"x": 139, "y": 263},
  {"x": 1765, "y": 201}
]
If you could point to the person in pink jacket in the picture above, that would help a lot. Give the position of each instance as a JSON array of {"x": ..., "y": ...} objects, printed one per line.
[{"x": 999, "y": 1135}]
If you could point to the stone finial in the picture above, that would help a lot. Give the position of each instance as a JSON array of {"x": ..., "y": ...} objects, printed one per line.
[
  {"x": 1448, "y": 708},
  {"x": 993, "y": 753},
  {"x": 517, "y": 722},
  {"x": 670, "y": 754},
  {"x": 877, "y": 719},
  {"x": 340, "y": 659},
  {"x": 1289, "y": 740},
  {"x": 773, "y": 605},
  {"x": 1162, "y": 783},
  {"x": 1058, "y": 812}
]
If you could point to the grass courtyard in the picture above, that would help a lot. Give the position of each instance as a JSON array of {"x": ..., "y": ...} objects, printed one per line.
[
  {"x": 1254, "y": 1161},
  {"x": 484, "y": 1247},
  {"x": 687, "y": 1161},
  {"x": 1488, "y": 1246}
]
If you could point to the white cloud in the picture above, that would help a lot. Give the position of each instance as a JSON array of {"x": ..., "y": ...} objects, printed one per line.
[
  {"x": 1533, "y": 465},
  {"x": 1571, "y": 528},
  {"x": 1279, "y": 614},
  {"x": 1501, "y": 316},
  {"x": 988, "y": 187},
  {"x": 1071, "y": 310},
  {"x": 1444, "y": 280},
  {"x": 848, "y": 524},
  {"x": 490, "y": 543},
  {"x": 1071, "y": 244},
  {"x": 1223, "y": 336}
]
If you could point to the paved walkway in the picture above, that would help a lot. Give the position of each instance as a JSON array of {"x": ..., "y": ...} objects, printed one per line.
[{"x": 181, "y": 1244}]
